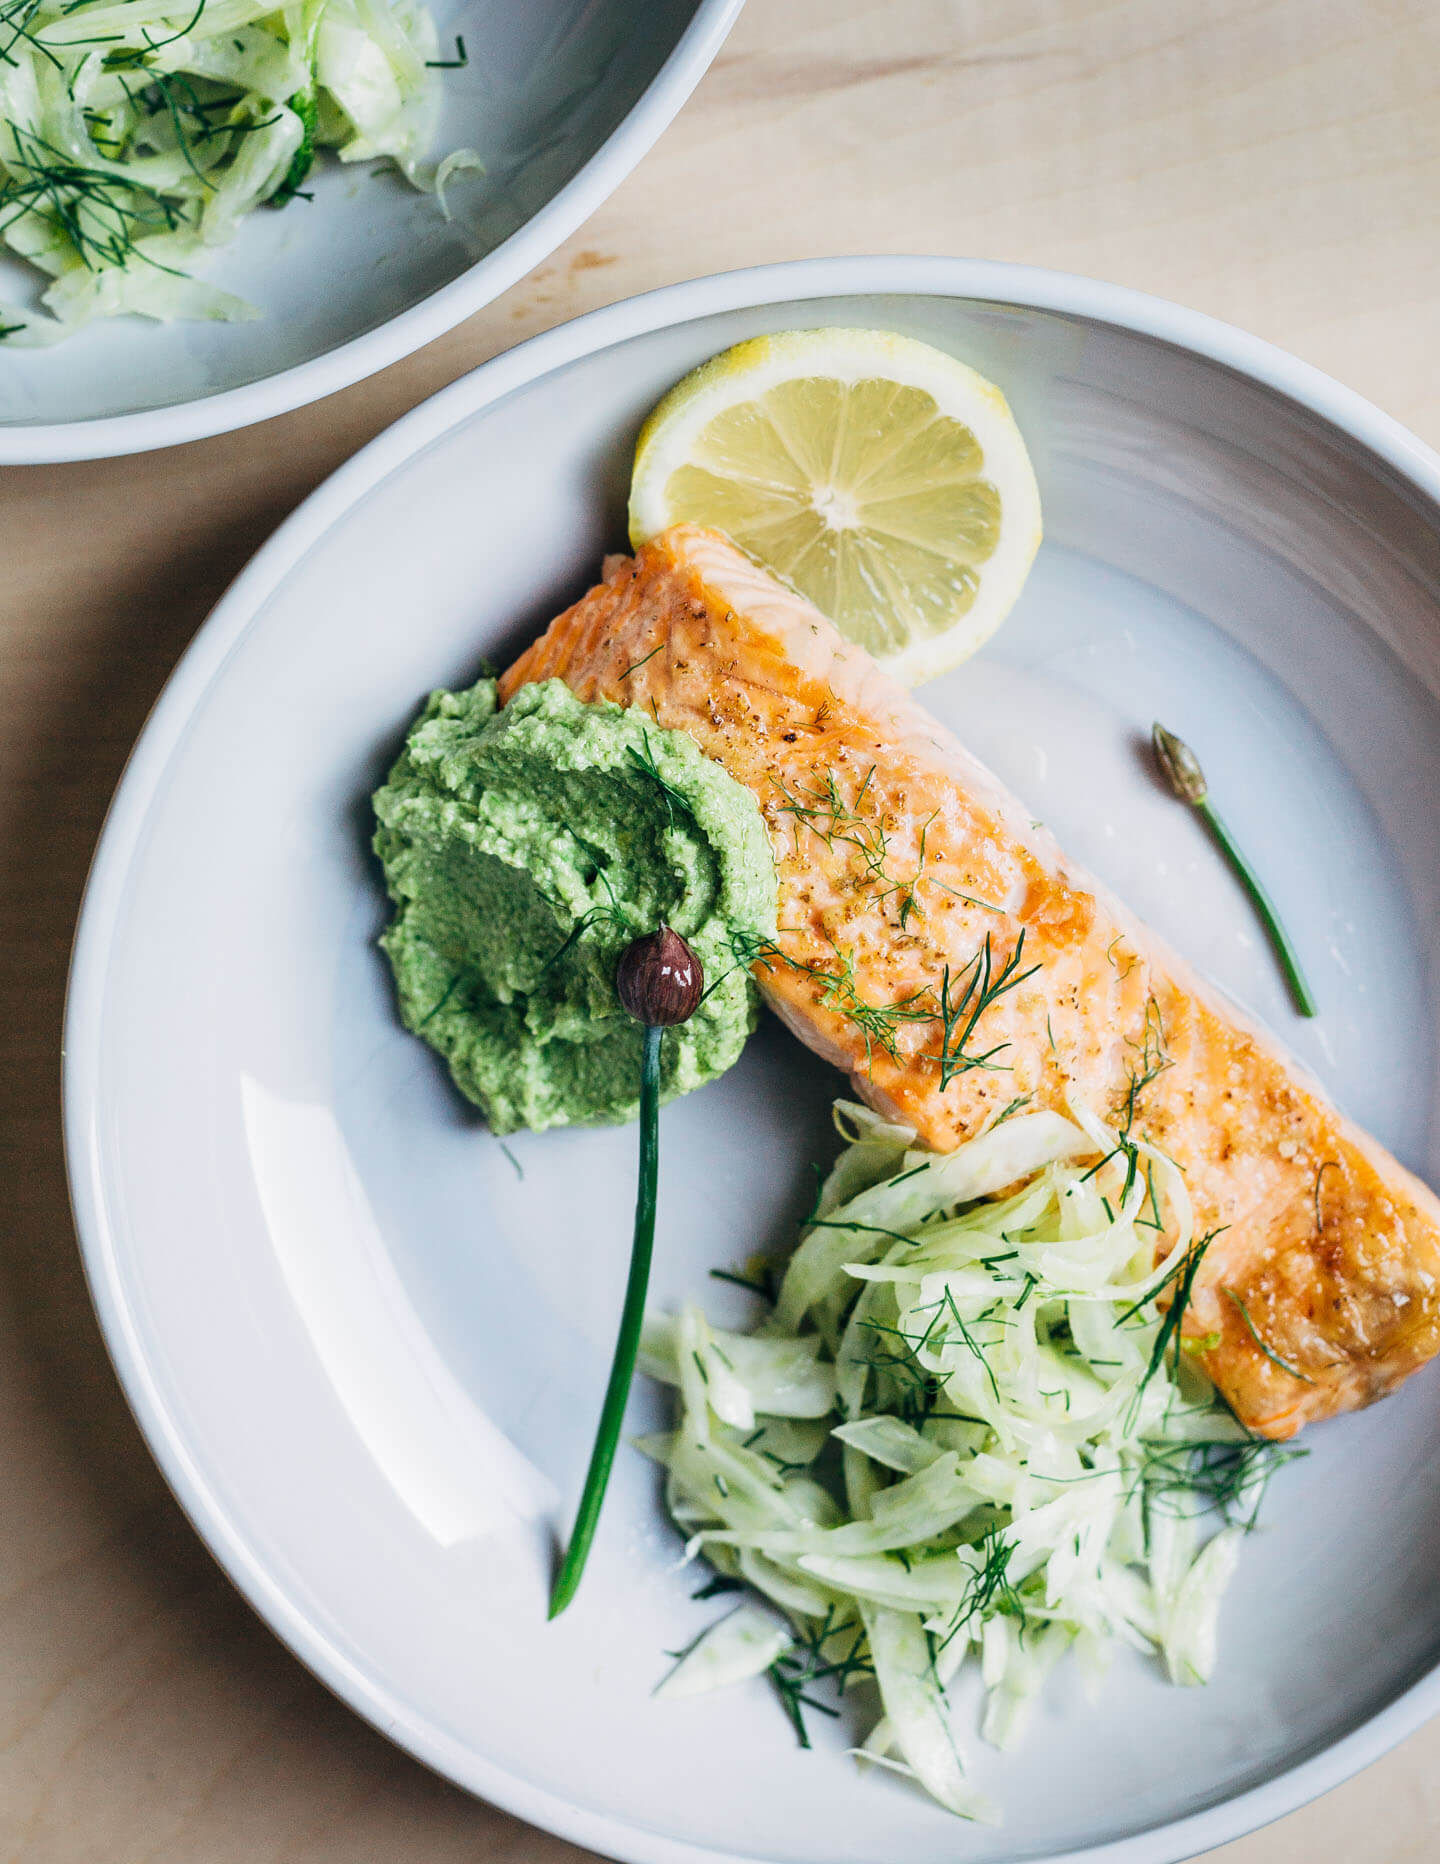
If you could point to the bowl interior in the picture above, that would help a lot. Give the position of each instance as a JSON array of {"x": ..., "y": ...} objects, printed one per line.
[
  {"x": 545, "y": 85},
  {"x": 370, "y": 1341}
]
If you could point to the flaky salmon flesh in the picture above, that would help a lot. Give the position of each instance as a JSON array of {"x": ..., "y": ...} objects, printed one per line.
[{"x": 907, "y": 874}]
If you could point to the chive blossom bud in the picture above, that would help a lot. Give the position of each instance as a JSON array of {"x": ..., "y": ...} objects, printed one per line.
[
  {"x": 1179, "y": 766},
  {"x": 659, "y": 979}
]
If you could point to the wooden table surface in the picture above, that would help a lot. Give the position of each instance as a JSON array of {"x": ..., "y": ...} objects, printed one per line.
[{"x": 1275, "y": 162}]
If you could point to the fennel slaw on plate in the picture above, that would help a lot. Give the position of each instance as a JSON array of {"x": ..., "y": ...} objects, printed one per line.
[{"x": 1029, "y": 1463}]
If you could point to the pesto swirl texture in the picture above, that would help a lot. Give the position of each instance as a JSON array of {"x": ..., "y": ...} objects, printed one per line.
[{"x": 524, "y": 847}]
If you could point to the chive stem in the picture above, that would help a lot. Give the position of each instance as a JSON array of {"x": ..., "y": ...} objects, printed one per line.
[
  {"x": 1181, "y": 770},
  {"x": 1285, "y": 952},
  {"x": 627, "y": 1345}
]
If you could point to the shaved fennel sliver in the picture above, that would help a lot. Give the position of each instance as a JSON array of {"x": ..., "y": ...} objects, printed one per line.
[{"x": 740, "y": 1646}]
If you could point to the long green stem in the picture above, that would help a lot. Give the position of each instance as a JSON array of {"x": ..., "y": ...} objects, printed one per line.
[
  {"x": 627, "y": 1346},
  {"x": 1264, "y": 906}
]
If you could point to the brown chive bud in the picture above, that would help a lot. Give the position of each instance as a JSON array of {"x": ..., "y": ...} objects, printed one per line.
[
  {"x": 1179, "y": 766},
  {"x": 659, "y": 980}
]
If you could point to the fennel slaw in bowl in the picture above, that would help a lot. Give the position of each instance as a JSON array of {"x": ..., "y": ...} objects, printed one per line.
[
  {"x": 135, "y": 135},
  {"x": 558, "y": 102}
]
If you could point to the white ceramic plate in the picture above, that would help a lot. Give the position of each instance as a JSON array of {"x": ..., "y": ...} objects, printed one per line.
[
  {"x": 369, "y": 1355},
  {"x": 560, "y": 99}
]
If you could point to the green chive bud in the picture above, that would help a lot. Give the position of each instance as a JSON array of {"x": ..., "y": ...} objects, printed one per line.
[
  {"x": 659, "y": 980},
  {"x": 1179, "y": 766}
]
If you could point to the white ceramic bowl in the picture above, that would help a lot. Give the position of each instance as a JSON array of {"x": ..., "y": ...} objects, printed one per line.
[
  {"x": 560, "y": 99},
  {"x": 368, "y": 1355}
]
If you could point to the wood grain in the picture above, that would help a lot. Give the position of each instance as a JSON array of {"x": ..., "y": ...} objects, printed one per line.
[{"x": 1275, "y": 162}]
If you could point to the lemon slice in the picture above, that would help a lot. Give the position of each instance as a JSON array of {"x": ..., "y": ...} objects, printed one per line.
[{"x": 880, "y": 477}]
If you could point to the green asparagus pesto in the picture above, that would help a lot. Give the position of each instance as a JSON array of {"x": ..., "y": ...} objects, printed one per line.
[{"x": 524, "y": 848}]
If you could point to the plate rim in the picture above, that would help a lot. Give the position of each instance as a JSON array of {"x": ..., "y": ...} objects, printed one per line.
[
  {"x": 44, "y": 443},
  {"x": 978, "y": 281}
]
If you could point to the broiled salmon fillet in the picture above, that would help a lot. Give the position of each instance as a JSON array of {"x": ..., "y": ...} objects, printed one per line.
[{"x": 937, "y": 945}]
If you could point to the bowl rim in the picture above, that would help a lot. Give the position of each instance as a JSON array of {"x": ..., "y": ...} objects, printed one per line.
[
  {"x": 980, "y": 281},
  {"x": 108, "y": 436}
]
